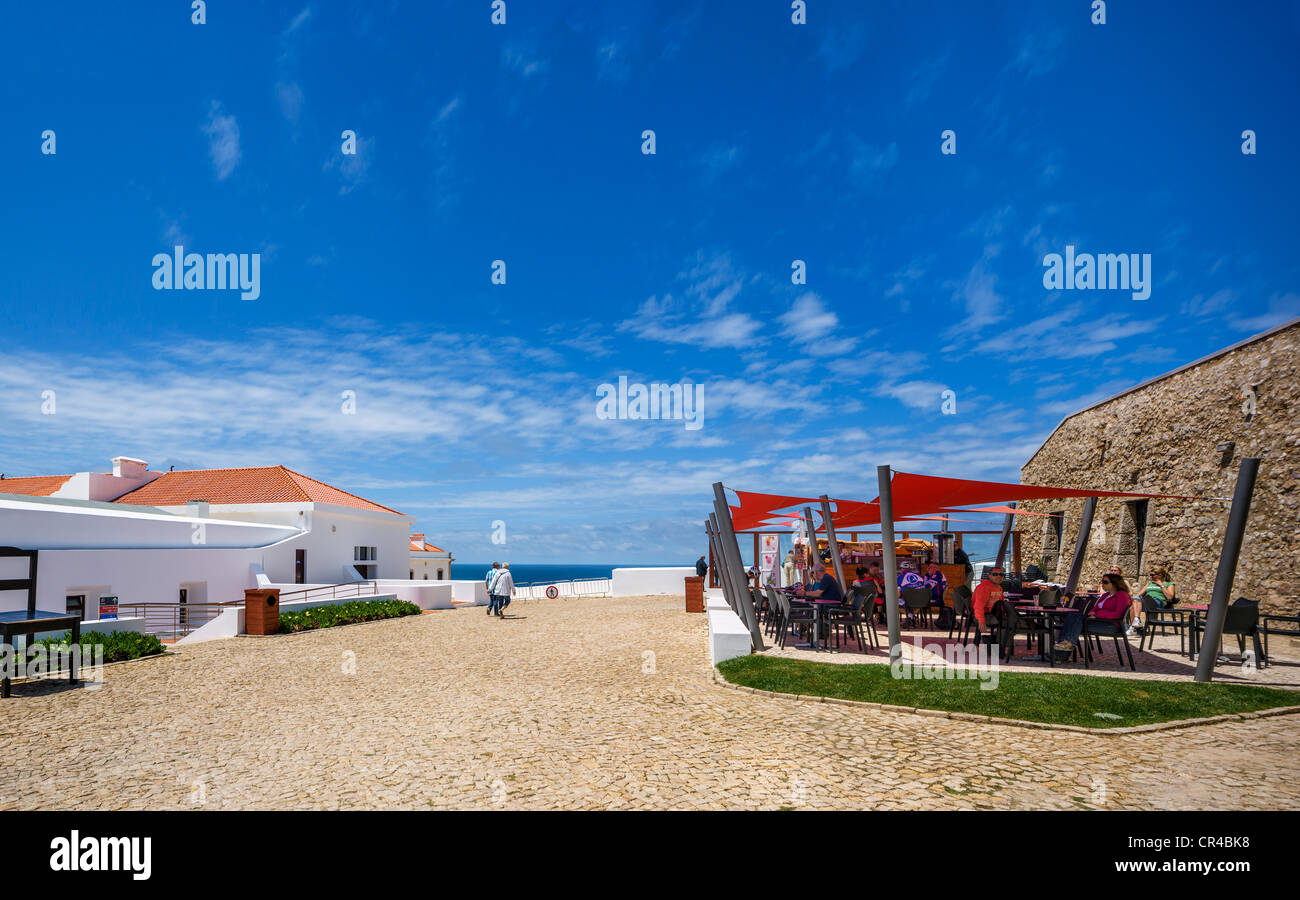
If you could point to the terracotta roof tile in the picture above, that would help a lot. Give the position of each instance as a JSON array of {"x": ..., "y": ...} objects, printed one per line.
[
  {"x": 258, "y": 484},
  {"x": 426, "y": 547},
  {"x": 33, "y": 486}
]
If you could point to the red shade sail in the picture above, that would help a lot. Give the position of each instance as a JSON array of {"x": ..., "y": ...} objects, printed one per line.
[
  {"x": 921, "y": 494},
  {"x": 997, "y": 509}
]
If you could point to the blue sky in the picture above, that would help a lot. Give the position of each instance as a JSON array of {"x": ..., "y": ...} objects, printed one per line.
[{"x": 476, "y": 402}]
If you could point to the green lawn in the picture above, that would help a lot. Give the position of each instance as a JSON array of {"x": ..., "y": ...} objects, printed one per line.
[{"x": 1054, "y": 699}]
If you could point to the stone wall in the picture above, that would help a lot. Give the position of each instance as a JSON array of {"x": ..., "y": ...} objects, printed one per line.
[{"x": 1162, "y": 439}]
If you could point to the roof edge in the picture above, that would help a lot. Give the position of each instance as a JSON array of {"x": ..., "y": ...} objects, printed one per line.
[{"x": 1150, "y": 381}]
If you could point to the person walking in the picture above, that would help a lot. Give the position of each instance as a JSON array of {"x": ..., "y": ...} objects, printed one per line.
[
  {"x": 502, "y": 586},
  {"x": 487, "y": 582},
  {"x": 788, "y": 569},
  {"x": 505, "y": 588}
]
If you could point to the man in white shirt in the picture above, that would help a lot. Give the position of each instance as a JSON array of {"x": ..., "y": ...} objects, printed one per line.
[{"x": 502, "y": 587}]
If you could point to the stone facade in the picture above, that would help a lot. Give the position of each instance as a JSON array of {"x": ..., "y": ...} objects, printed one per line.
[{"x": 1169, "y": 437}]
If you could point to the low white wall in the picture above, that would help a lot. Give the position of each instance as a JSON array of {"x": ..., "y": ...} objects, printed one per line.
[
  {"x": 424, "y": 594},
  {"x": 231, "y": 621},
  {"x": 656, "y": 580},
  {"x": 728, "y": 635},
  {"x": 469, "y": 592}
]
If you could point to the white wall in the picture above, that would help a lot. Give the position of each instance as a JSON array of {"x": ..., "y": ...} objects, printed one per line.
[
  {"x": 424, "y": 594},
  {"x": 659, "y": 580},
  {"x": 728, "y": 635},
  {"x": 474, "y": 592}
]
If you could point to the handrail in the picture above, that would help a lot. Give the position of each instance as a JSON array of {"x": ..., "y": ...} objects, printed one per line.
[
  {"x": 175, "y": 620},
  {"x": 334, "y": 590},
  {"x": 572, "y": 587}
]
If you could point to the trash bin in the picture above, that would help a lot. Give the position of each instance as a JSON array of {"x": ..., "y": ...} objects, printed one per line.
[
  {"x": 262, "y": 611},
  {"x": 694, "y": 594}
]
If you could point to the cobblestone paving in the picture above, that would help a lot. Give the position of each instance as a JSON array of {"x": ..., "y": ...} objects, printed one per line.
[{"x": 560, "y": 707}]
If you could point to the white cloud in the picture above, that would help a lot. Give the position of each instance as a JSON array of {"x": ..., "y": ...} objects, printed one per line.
[
  {"x": 808, "y": 320},
  {"x": 290, "y": 96},
  {"x": 1281, "y": 308},
  {"x": 223, "y": 141}
]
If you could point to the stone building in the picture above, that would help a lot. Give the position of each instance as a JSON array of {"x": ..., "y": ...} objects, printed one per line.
[{"x": 1184, "y": 432}]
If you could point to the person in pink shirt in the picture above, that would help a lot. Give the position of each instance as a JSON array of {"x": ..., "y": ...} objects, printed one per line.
[{"x": 1111, "y": 607}]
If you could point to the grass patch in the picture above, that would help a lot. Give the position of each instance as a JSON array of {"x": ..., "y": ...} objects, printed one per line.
[
  {"x": 1049, "y": 698},
  {"x": 345, "y": 614},
  {"x": 118, "y": 646}
]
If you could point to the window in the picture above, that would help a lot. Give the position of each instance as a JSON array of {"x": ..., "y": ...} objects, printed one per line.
[
  {"x": 361, "y": 554},
  {"x": 439, "y": 575}
]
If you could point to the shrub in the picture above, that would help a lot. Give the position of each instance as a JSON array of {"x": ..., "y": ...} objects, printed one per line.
[
  {"x": 345, "y": 614},
  {"x": 117, "y": 646}
]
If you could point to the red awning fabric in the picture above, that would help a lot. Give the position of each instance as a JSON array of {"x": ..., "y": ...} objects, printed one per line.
[
  {"x": 921, "y": 494},
  {"x": 997, "y": 509},
  {"x": 915, "y": 496}
]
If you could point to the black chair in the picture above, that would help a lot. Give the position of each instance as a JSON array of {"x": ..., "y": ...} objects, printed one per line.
[
  {"x": 917, "y": 602},
  {"x": 773, "y": 614},
  {"x": 1267, "y": 627},
  {"x": 1034, "y": 626},
  {"x": 961, "y": 612},
  {"x": 1241, "y": 619},
  {"x": 849, "y": 619},
  {"x": 1154, "y": 617},
  {"x": 1049, "y": 598},
  {"x": 1100, "y": 628},
  {"x": 794, "y": 615}
]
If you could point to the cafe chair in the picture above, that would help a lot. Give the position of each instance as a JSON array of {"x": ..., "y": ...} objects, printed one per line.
[
  {"x": 1154, "y": 617},
  {"x": 961, "y": 613},
  {"x": 1100, "y": 628},
  {"x": 917, "y": 601},
  {"x": 1241, "y": 619},
  {"x": 794, "y": 616},
  {"x": 849, "y": 620},
  {"x": 1268, "y": 627}
]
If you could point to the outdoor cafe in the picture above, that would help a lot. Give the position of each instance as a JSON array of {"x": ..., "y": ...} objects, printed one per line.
[{"x": 829, "y": 574}]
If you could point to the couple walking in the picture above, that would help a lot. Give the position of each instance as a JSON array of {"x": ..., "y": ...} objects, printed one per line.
[{"x": 500, "y": 585}]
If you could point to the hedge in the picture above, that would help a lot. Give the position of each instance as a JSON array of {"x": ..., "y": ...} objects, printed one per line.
[
  {"x": 118, "y": 645},
  {"x": 345, "y": 614}
]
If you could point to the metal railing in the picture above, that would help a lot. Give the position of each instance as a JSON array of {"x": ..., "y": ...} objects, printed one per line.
[
  {"x": 332, "y": 591},
  {"x": 574, "y": 587},
  {"x": 173, "y": 621}
]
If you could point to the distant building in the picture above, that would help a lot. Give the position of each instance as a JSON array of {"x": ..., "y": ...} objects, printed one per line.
[
  {"x": 1184, "y": 433},
  {"x": 428, "y": 563}
]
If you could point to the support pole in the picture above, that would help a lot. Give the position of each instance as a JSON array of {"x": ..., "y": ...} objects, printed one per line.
[
  {"x": 813, "y": 557},
  {"x": 720, "y": 566},
  {"x": 890, "y": 561},
  {"x": 1006, "y": 534},
  {"x": 730, "y": 546},
  {"x": 1081, "y": 544},
  {"x": 834, "y": 545},
  {"x": 724, "y": 561},
  {"x": 1227, "y": 568}
]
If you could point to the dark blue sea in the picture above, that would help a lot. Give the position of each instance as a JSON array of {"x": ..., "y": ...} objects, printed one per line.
[{"x": 529, "y": 573}]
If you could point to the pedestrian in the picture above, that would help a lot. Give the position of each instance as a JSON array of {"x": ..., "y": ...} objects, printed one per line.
[
  {"x": 505, "y": 587},
  {"x": 701, "y": 567},
  {"x": 487, "y": 582},
  {"x": 788, "y": 569}
]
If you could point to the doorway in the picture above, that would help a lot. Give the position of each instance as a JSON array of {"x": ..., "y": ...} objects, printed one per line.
[{"x": 300, "y": 567}]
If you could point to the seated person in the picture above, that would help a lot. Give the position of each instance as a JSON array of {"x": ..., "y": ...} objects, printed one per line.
[
  {"x": 1160, "y": 589},
  {"x": 987, "y": 593},
  {"x": 937, "y": 582},
  {"x": 826, "y": 589},
  {"x": 1112, "y": 607}
]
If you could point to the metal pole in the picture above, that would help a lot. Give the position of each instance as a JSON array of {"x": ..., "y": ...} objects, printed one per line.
[
  {"x": 834, "y": 545},
  {"x": 723, "y": 570},
  {"x": 1006, "y": 534},
  {"x": 811, "y": 526},
  {"x": 890, "y": 561},
  {"x": 729, "y": 545},
  {"x": 1227, "y": 568},
  {"x": 1081, "y": 544}
]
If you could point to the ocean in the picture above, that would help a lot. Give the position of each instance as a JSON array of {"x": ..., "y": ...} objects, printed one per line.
[{"x": 531, "y": 573}]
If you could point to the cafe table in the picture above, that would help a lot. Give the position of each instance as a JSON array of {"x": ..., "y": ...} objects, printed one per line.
[
  {"x": 1053, "y": 612},
  {"x": 1195, "y": 610}
]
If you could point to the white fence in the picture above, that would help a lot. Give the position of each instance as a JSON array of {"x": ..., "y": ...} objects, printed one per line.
[{"x": 578, "y": 587}]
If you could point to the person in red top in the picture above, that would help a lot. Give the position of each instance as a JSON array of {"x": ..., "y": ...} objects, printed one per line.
[
  {"x": 1112, "y": 607},
  {"x": 987, "y": 592}
]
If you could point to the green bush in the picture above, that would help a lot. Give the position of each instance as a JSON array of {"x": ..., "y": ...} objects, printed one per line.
[
  {"x": 117, "y": 646},
  {"x": 345, "y": 614}
]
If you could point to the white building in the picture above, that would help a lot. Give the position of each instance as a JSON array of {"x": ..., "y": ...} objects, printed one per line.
[
  {"x": 197, "y": 536},
  {"x": 427, "y": 561}
]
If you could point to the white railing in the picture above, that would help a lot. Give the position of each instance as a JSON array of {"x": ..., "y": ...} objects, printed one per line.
[{"x": 575, "y": 587}]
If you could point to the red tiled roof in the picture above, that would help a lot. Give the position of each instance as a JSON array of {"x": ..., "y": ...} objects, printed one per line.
[
  {"x": 257, "y": 484},
  {"x": 425, "y": 547},
  {"x": 33, "y": 486}
]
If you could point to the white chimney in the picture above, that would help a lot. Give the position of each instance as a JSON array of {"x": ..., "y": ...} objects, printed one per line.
[
  {"x": 130, "y": 467},
  {"x": 196, "y": 508}
]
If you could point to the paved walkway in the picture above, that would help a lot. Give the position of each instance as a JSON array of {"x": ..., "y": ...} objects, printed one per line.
[{"x": 561, "y": 707}]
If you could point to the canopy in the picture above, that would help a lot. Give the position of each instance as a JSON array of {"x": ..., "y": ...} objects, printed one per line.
[{"x": 916, "y": 496}]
